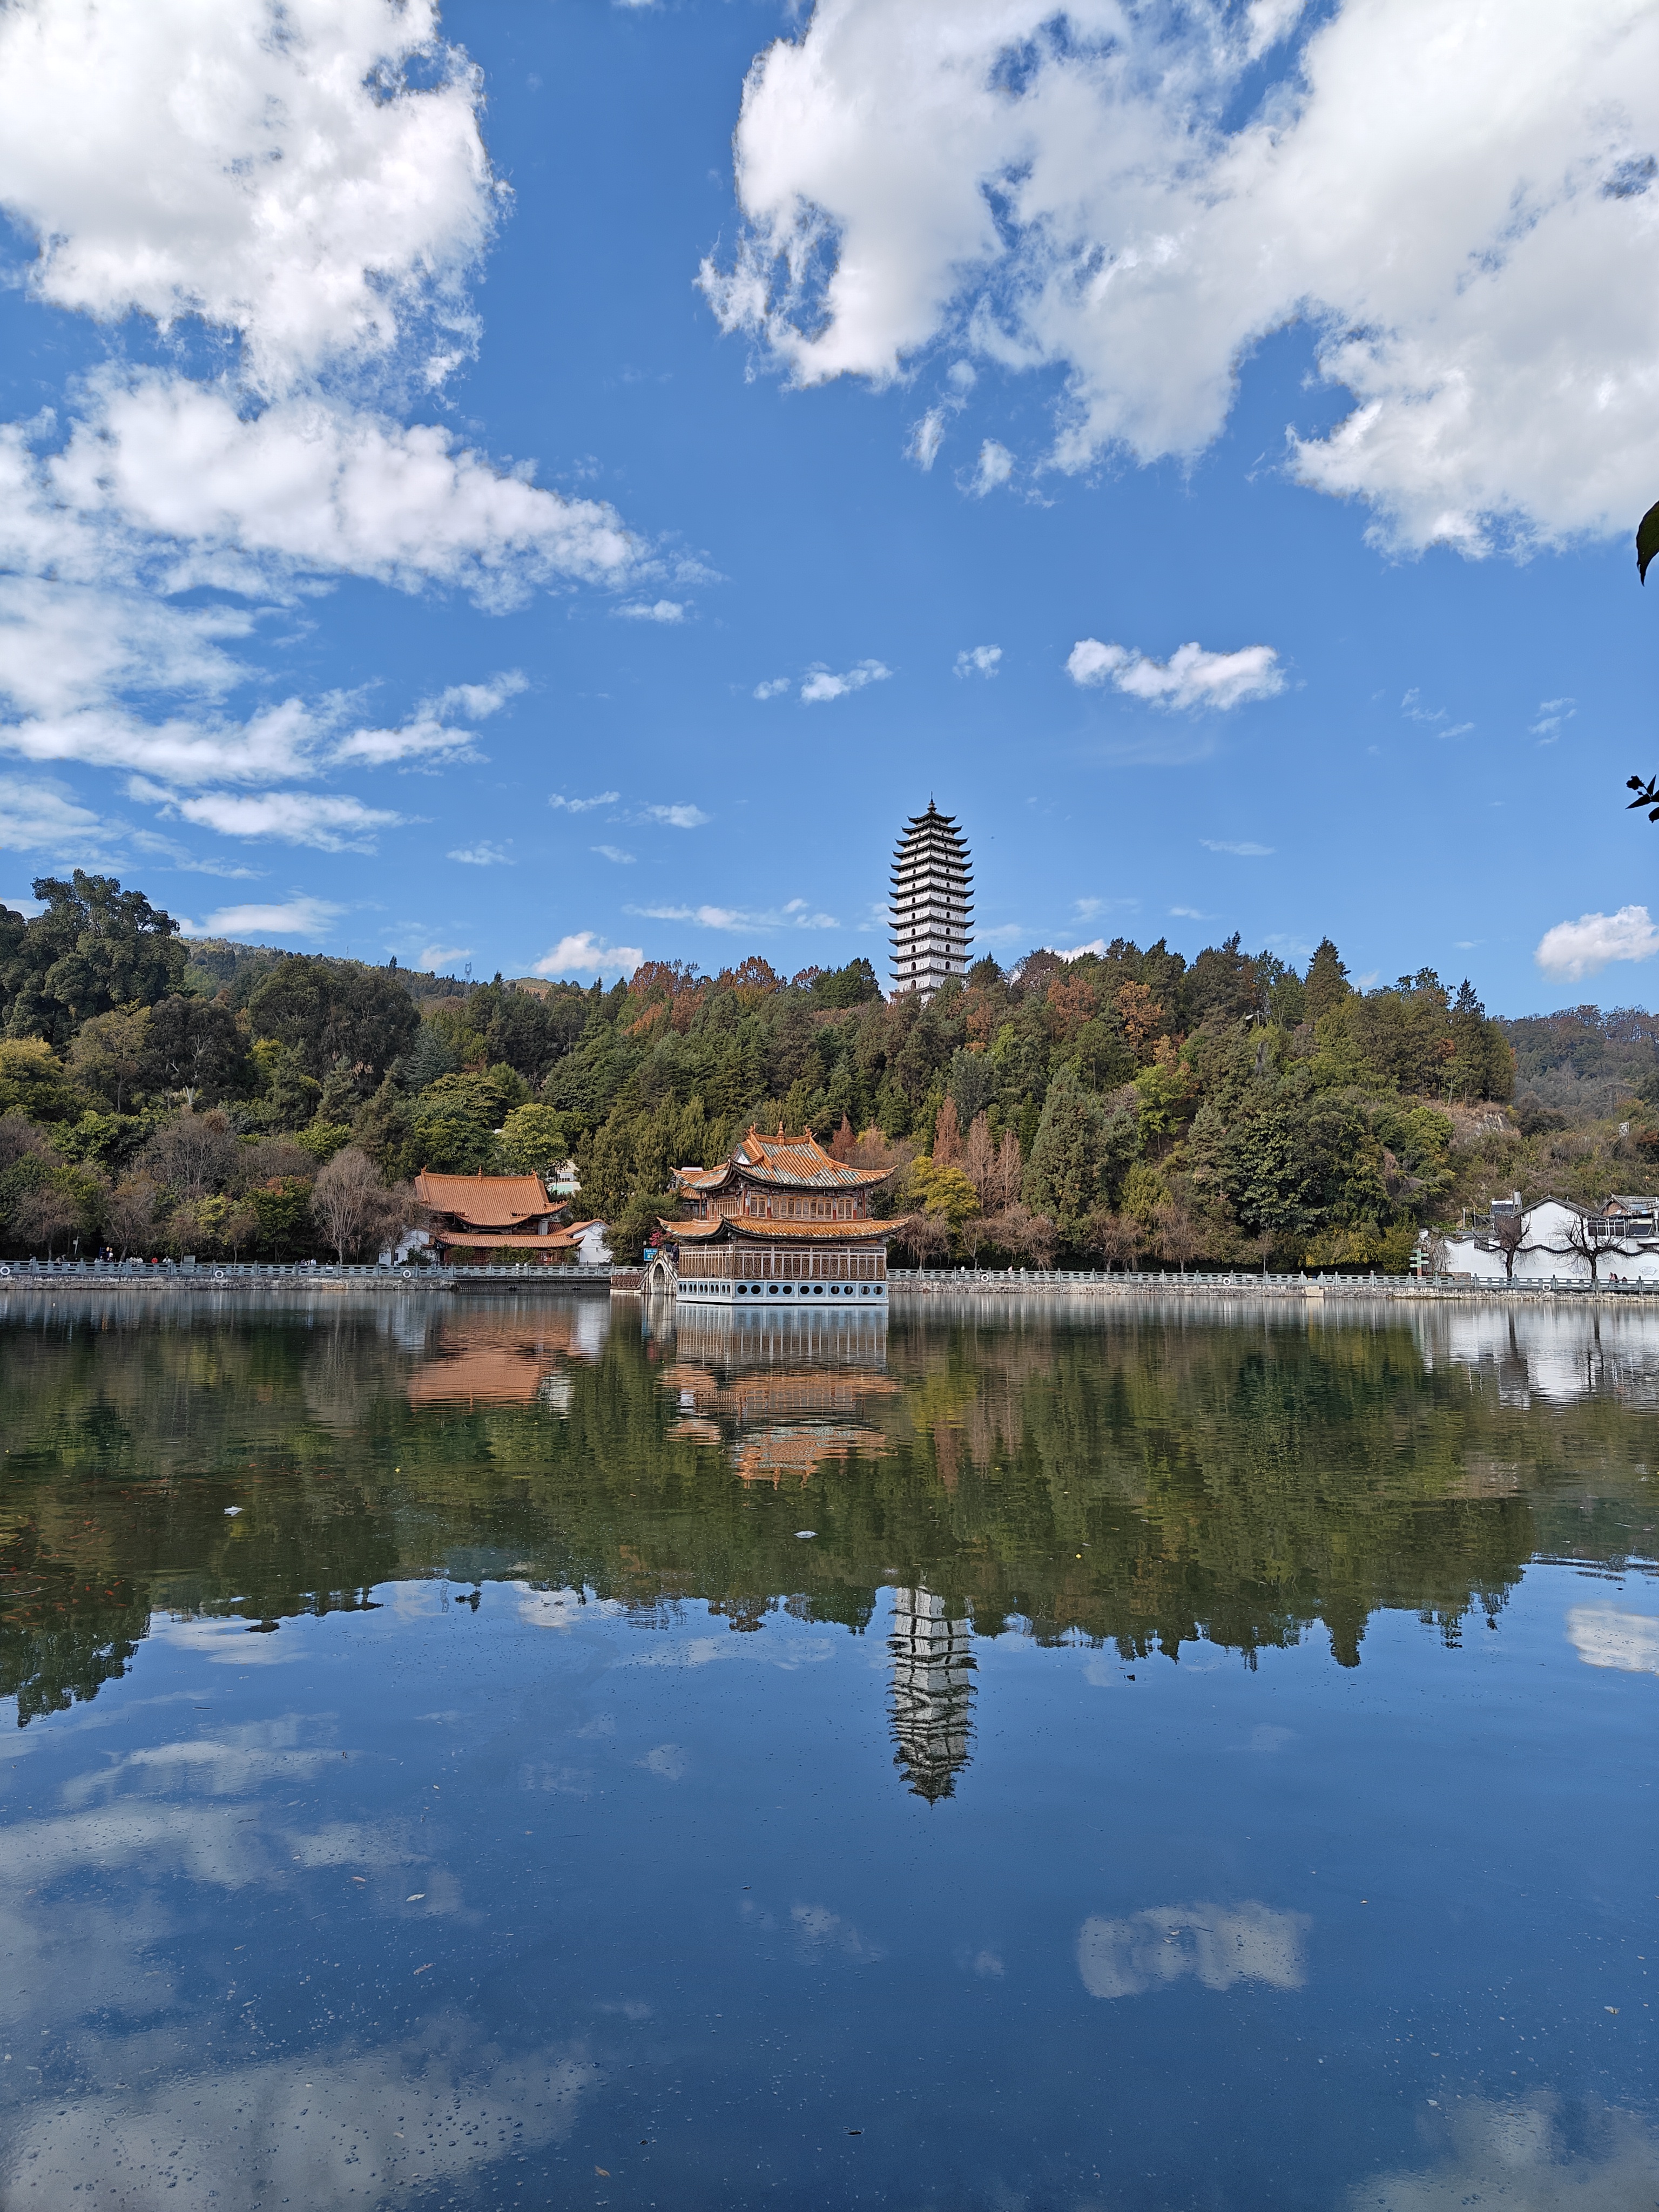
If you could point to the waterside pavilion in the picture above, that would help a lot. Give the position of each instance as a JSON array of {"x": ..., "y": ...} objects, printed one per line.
[
  {"x": 781, "y": 1218},
  {"x": 480, "y": 1218}
]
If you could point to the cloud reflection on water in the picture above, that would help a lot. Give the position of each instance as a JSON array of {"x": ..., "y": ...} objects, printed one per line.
[
  {"x": 1511, "y": 2155},
  {"x": 334, "y": 2129},
  {"x": 1216, "y": 1945},
  {"x": 1605, "y": 1638}
]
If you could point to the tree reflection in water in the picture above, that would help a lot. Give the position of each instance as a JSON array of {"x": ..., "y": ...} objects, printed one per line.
[{"x": 1136, "y": 1481}]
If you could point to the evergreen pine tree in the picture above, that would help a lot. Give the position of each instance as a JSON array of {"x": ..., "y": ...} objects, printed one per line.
[
  {"x": 1466, "y": 1072},
  {"x": 1327, "y": 983}
]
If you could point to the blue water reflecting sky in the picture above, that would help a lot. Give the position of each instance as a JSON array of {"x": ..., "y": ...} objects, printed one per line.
[{"x": 497, "y": 1889}]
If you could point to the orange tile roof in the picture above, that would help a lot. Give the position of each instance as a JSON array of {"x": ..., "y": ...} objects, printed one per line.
[
  {"x": 800, "y": 1160},
  {"x": 747, "y": 1228},
  {"x": 485, "y": 1202},
  {"x": 781, "y": 1163},
  {"x": 556, "y": 1240}
]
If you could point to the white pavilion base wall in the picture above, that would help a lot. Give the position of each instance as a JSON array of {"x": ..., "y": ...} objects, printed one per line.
[
  {"x": 743, "y": 1274},
  {"x": 709, "y": 1290}
]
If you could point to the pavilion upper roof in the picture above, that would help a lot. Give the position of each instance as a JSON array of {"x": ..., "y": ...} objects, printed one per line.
[
  {"x": 485, "y": 1202},
  {"x": 780, "y": 1163}
]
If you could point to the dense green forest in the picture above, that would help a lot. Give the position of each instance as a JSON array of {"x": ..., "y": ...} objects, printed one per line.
[{"x": 1123, "y": 1107}]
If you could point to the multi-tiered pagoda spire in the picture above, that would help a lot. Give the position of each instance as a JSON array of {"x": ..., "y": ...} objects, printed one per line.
[{"x": 932, "y": 884}]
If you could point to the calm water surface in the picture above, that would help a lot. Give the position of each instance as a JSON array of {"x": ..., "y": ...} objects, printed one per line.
[{"x": 500, "y": 1754}]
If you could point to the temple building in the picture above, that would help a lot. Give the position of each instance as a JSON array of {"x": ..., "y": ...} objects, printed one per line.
[
  {"x": 477, "y": 1217},
  {"x": 933, "y": 1693},
  {"x": 781, "y": 1218},
  {"x": 932, "y": 900}
]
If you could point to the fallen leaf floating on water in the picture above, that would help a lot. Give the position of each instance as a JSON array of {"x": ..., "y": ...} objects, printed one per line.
[
  {"x": 415, "y": 1897},
  {"x": 604, "y": 2170},
  {"x": 427, "y": 1968}
]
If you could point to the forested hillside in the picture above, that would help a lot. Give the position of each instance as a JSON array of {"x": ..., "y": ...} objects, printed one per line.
[{"x": 1116, "y": 1108}]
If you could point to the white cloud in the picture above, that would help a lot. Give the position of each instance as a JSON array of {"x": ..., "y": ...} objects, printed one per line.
[
  {"x": 821, "y": 684},
  {"x": 476, "y": 703},
  {"x": 1605, "y": 1638},
  {"x": 294, "y": 917},
  {"x": 290, "y": 184},
  {"x": 308, "y": 486},
  {"x": 681, "y": 816},
  {"x": 994, "y": 467},
  {"x": 1240, "y": 845},
  {"x": 585, "y": 954},
  {"x": 65, "y": 645},
  {"x": 484, "y": 854},
  {"x": 1413, "y": 709},
  {"x": 309, "y": 183},
  {"x": 43, "y": 817},
  {"x": 1191, "y": 678},
  {"x": 978, "y": 660},
  {"x": 1216, "y": 1945},
  {"x": 1573, "y": 949},
  {"x": 435, "y": 959},
  {"x": 926, "y": 436},
  {"x": 175, "y": 855},
  {"x": 1009, "y": 933},
  {"x": 329, "y": 822},
  {"x": 774, "y": 687},
  {"x": 424, "y": 739},
  {"x": 658, "y": 610},
  {"x": 613, "y": 853},
  {"x": 1551, "y": 714},
  {"x": 795, "y": 916},
  {"x": 1454, "y": 199},
  {"x": 1095, "y": 944},
  {"x": 584, "y": 806},
  {"x": 275, "y": 746},
  {"x": 269, "y": 746}
]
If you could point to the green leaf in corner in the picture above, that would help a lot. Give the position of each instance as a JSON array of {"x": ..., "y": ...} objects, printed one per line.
[{"x": 1647, "y": 541}]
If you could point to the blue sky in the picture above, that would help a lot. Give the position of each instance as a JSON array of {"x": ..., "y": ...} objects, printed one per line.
[{"x": 287, "y": 642}]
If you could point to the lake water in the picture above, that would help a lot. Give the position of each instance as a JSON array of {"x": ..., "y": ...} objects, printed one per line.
[{"x": 512, "y": 1753}]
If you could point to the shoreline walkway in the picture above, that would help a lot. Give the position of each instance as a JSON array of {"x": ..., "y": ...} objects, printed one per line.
[
  {"x": 1001, "y": 1285},
  {"x": 984, "y": 1286}
]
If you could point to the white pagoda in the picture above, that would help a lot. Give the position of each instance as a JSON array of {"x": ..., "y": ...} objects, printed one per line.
[{"x": 932, "y": 884}]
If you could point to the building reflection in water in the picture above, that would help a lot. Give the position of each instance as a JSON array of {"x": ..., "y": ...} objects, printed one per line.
[
  {"x": 782, "y": 1394},
  {"x": 933, "y": 1693},
  {"x": 1559, "y": 1353},
  {"x": 482, "y": 1359},
  {"x": 786, "y": 1394}
]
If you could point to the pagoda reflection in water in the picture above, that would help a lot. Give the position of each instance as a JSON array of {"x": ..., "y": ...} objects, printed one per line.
[
  {"x": 788, "y": 1395},
  {"x": 933, "y": 1693}
]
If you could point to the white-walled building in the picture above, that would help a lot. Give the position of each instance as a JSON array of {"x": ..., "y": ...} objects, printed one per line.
[{"x": 1559, "y": 1242}]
